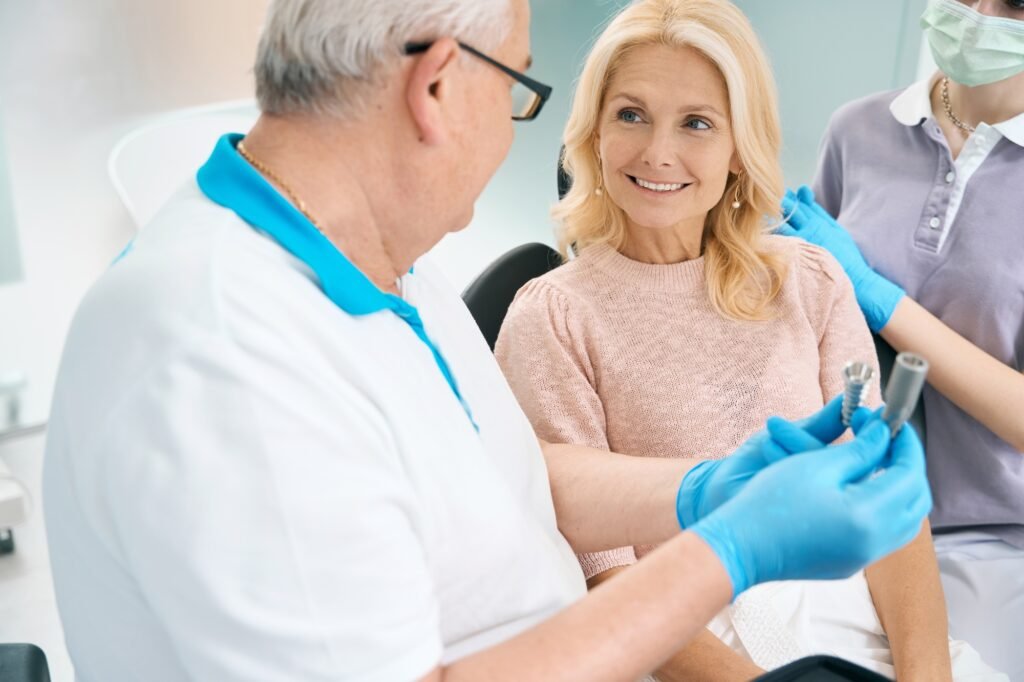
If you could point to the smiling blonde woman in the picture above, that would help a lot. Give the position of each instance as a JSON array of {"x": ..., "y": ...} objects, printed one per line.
[{"x": 682, "y": 324}]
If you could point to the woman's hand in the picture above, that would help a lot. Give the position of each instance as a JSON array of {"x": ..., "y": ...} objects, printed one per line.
[{"x": 876, "y": 295}]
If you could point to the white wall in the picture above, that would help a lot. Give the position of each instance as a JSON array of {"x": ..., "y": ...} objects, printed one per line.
[
  {"x": 75, "y": 75},
  {"x": 10, "y": 254},
  {"x": 826, "y": 53}
]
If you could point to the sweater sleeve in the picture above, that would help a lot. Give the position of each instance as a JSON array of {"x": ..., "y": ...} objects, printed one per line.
[
  {"x": 541, "y": 348},
  {"x": 843, "y": 335}
]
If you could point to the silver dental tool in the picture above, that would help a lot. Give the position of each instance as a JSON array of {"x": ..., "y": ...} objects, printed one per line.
[{"x": 904, "y": 389}]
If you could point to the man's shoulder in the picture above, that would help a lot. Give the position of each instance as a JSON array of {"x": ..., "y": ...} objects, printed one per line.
[
  {"x": 196, "y": 282},
  {"x": 194, "y": 263}
]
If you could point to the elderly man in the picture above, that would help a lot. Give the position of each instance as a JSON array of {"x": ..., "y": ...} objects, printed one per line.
[{"x": 280, "y": 449}]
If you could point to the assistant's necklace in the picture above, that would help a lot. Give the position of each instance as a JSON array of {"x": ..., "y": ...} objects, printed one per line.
[{"x": 949, "y": 109}]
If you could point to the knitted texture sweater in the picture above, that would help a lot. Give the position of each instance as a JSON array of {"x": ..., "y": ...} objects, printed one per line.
[{"x": 631, "y": 357}]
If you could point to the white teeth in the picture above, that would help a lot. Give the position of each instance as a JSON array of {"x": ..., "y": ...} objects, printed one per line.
[{"x": 658, "y": 187}]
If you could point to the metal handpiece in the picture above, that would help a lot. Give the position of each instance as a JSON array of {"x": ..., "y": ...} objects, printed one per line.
[
  {"x": 904, "y": 389},
  {"x": 857, "y": 380}
]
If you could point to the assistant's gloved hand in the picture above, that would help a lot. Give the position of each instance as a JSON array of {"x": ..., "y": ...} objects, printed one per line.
[
  {"x": 876, "y": 295},
  {"x": 710, "y": 484},
  {"x": 822, "y": 514}
]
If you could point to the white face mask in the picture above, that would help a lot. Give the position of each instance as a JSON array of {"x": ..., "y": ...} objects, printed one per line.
[{"x": 971, "y": 48}]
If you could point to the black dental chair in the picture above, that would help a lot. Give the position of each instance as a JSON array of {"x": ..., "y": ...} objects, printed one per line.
[{"x": 491, "y": 293}]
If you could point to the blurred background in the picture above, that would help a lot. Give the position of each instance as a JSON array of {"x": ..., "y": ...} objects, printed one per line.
[
  {"x": 78, "y": 76},
  {"x": 95, "y": 95}
]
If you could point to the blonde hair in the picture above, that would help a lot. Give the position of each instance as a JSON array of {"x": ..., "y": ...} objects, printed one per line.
[{"x": 743, "y": 276}]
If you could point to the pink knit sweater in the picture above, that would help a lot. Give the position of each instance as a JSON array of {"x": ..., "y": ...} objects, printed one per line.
[{"x": 631, "y": 357}]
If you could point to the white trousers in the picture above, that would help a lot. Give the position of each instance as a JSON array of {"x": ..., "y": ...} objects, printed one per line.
[
  {"x": 983, "y": 578},
  {"x": 775, "y": 623}
]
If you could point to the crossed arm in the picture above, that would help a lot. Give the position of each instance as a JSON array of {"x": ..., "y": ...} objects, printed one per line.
[
  {"x": 592, "y": 640},
  {"x": 597, "y": 509}
]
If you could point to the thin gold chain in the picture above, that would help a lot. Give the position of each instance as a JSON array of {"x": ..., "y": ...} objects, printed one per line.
[
  {"x": 295, "y": 198},
  {"x": 949, "y": 109}
]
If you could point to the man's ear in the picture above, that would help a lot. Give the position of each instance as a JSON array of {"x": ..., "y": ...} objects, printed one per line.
[{"x": 429, "y": 86}]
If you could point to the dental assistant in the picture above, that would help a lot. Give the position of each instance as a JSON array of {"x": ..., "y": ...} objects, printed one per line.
[
  {"x": 280, "y": 449},
  {"x": 927, "y": 186}
]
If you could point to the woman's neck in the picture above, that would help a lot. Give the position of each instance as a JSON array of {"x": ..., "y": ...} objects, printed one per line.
[{"x": 664, "y": 246}]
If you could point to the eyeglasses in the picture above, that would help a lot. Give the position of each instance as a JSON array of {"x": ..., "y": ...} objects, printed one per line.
[{"x": 528, "y": 95}]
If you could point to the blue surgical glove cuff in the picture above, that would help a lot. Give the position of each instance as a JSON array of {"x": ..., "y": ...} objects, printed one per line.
[
  {"x": 717, "y": 536},
  {"x": 878, "y": 298},
  {"x": 691, "y": 492},
  {"x": 876, "y": 295}
]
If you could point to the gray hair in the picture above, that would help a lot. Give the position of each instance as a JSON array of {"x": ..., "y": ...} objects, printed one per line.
[{"x": 326, "y": 56}]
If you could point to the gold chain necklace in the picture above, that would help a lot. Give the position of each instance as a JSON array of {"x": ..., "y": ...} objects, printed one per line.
[
  {"x": 295, "y": 199},
  {"x": 949, "y": 109}
]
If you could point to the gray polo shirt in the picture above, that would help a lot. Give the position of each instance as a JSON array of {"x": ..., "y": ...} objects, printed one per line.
[{"x": 952, "y": 235}]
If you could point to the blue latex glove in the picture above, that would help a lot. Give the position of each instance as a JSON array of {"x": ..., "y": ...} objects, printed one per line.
[
  {"x": 822, "y": 515},
  {"x": 794, "y": 439},
  {"x": 711, "y": 484},
  {"x": 876, "y": 295}
]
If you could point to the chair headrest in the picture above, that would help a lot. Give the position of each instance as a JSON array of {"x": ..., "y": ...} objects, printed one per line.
[{"x": 564, "y": 179}]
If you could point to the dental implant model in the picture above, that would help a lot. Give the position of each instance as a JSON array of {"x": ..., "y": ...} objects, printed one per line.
[
  {"x": 904, "y": 389},
  {"x": 857, "y": 378}
]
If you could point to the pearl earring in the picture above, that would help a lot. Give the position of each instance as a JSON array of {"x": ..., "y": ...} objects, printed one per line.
[
  {"x": 736, "y": 203},
  {"x": 598, "y": 191}
]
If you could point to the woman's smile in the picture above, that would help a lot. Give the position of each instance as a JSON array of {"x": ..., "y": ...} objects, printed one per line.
[{"x": 659, "y": 189}]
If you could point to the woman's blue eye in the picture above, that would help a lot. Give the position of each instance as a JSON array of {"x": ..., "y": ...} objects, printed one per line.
[
  {"x": 629, "y": 116},
  {"x": 698, "y": 124}
]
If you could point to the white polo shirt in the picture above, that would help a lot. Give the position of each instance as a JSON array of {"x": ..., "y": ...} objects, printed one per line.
[{"x": 260, "y": 467}]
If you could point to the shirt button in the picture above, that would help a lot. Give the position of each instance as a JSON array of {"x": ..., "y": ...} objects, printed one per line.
[
  {"x": 935, "y": 222},
  {"x": 950, "y": 176}
]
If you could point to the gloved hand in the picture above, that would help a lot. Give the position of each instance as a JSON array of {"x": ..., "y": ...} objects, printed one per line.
[
  {"x": 794, "y": 439},
  {"x": 822, "y": 514},
  {"x": 712, "y": 483},
  {"x": 876, "y": 295}
]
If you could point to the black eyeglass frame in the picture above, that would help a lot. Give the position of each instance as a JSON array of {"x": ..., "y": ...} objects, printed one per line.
[{"x": 542, "y": 91}]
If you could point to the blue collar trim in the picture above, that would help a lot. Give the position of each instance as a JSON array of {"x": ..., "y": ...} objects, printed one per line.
[{"x": 228, "y": 180}]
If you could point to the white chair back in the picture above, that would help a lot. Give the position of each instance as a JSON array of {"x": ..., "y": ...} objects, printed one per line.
[{"x": 152, "y": 162}]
